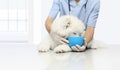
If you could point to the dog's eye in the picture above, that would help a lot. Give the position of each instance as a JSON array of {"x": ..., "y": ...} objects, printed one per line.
[
  {"x": 74, "y": 33},
  {"x": 63, "y": 36}
]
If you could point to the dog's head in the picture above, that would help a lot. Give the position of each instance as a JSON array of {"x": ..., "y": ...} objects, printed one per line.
[{"x": 68, "y": 26}]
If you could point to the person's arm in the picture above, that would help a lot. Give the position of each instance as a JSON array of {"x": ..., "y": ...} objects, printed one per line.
[
  {"x": 92, "y": 12},
  {"x": 48, "y": 23},
  {"x": 89, "y": 34},
  {"x": 52, "y": 15}
]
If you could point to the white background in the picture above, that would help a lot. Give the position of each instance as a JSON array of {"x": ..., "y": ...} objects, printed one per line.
[{"x": 107, "y": 28}]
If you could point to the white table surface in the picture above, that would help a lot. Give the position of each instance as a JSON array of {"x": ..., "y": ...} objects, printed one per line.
[{"x": 25, "y": 57}]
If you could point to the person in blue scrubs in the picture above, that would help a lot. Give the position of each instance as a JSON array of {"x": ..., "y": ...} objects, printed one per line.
[{"x": 85, "y": 10}]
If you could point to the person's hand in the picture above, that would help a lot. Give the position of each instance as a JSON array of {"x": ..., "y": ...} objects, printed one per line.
[
  {"x": 58, "y": 38},
  {"x": 79, "y": 48}
]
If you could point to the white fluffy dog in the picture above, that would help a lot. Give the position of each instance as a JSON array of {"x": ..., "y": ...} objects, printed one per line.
[{"x": 61, "y": 29}]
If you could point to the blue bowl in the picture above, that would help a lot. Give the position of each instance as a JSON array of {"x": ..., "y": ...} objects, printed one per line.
[{"x": 74, "y": 40}]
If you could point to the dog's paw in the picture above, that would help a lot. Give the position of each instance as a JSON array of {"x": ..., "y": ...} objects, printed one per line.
[
  {"x": 62, "y": 49},
  {"x": 83, "y": 48},
  {"x": 43, "y": 48},
  {"x": 78, "y": 48}
]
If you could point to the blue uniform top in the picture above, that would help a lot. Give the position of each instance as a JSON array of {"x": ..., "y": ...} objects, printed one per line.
[{"x": 85, "y": 10}]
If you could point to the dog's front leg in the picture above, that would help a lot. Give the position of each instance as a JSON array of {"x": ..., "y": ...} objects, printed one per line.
[{"x": 62, "y": 48}]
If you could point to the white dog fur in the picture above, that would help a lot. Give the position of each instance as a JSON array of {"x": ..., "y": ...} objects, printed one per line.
[{"x": 64, "y": 26}]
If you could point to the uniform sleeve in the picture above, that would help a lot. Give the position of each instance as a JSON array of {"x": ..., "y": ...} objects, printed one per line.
[
  {"x": 92, "y": 12},
  {"x": 55, "y": 9}
]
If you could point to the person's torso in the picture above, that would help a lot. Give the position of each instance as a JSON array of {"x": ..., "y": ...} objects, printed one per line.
[{"x": 77, "y": 9}]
